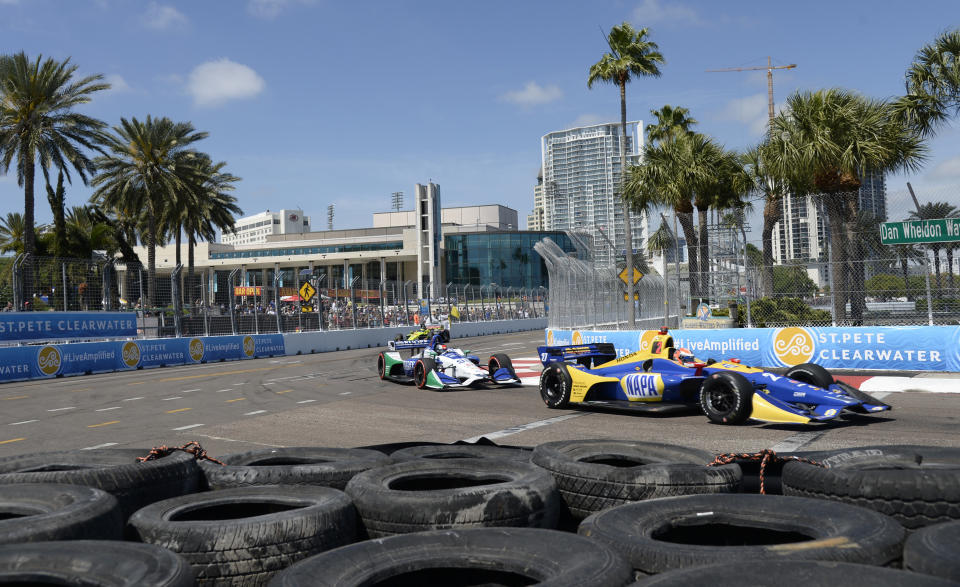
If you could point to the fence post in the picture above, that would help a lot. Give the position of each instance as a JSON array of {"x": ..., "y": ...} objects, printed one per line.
[
  {"x": 177, "y": 300},
  {"x": 276, "y": 299},
  {"x": 207, "y": 302},
  {"x": 63, "y": 273},
  {"x": 233, "y": 306},
  {"x": 353, "y": 301}
]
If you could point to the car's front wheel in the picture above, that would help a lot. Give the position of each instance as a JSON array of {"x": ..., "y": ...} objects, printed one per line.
[
  {"x": 500, "y": 361},
  {"x": 382, "y": 367},
  {"x": 555, "y": 384},
  {"x": 421, "y": 371},
  {"x": 812, "y": 374},
  {"x": 727, "y": 398}
]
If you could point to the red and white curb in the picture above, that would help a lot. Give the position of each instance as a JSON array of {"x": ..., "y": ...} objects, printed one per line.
[{"x": 528, "y": 370}]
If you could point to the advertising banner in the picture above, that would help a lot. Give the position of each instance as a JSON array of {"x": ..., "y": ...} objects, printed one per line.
[
  {"x": 23, "y": 326},
  {"x": 912, "y": 348}
]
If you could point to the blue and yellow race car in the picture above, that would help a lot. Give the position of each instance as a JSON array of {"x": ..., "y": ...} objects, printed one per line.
[{"x": 666, "y": 379}]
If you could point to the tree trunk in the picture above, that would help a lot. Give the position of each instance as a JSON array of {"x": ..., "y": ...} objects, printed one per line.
[
  {"x": 179, "y": 243},
  {"x": 704, "y": 249},
  {"x": 628, "y": 236},
  {"x": 29, "y": 234},
  {"x": 56, "y": 200},
  {"x": 693, "y": 262},
  {"x": 194, "y": 286},
  {"x": 838, "y": 270},
  {"x": 772, "y": 213},
  {"x": 151, "y": 258}
]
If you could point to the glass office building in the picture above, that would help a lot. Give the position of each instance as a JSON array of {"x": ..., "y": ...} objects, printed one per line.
[{"x": 504, "y": 258}]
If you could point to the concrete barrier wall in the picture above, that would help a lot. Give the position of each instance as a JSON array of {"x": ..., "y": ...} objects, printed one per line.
[{"x": 466, "y": 329}]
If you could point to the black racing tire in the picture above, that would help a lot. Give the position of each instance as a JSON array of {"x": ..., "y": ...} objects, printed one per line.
[
  {"x": 421, "y": 369},
  {"x": 593, "y": 475},
  {"x": 462, "y": 451},
  {"x": 115, "y": 470},
  {"x": 330, "y": 467},
  {"x": 933, "y": 551},
  {"x": 245, "y": 535},
  {"x": 38, "y": 512},
  {"x": 790, "y": 574},
  {"x": 499, "y": 361},
  {"x": 444, "y": 335},
  {"x": 381, "y": 367},
  {"x": 917, "y": 485},
  {"x": 488, "y": 556},
  {"x": 93, "y": 563},
  {"x": 811, "y": 373},
  {"x": 555, "y": 386},
  {"x": 425, "y": 494},
  {"x": 678, "y": 532},
  {"x": 727, "y": 398}
]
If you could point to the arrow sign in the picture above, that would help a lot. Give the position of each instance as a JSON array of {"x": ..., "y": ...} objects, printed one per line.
[
  {"x": 636, "y": 275},
  {"x": 307, "y": 292}
]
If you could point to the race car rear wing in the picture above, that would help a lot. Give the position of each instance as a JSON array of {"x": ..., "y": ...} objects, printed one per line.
[
  {"x": 408, "y": 344},
  {"x": 600, "y": 352}
]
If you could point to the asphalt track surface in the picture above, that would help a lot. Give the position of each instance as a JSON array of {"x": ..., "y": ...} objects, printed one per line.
[{"x": 337, "y": 400}]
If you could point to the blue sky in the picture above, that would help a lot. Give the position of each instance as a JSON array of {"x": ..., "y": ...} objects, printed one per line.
[{"x": 318, "y": 102}]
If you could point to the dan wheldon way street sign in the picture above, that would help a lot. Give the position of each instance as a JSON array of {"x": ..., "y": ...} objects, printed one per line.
[{"x": 911, "y": 232}]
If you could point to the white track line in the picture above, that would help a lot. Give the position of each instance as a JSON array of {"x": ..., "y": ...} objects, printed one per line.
[
  {"x": 525, "y": 427},
  {"x": 223, "y": 390},
  {"x": 131, "y": 399},
  {"x": 108, "y": 409},
  {"x": 255, "y": 413},
  {"x": 62, "y": 409},
  {"x": 187, "y": 427},
  {"x": 24, "y": 422},
  {"x": 307, "y": 401},
  {"x": 190, "y": 390},
  {"x": 166, "y": 399},
  {"x": 104, "y": 445}
]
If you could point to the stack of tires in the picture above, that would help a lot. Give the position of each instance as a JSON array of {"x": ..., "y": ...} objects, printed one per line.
[{"x": 588, "y": 512}]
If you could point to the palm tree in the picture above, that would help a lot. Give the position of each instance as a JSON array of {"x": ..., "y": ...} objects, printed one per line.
[
  {"x": 670, "y": 122},
  {"x": 825, "y": 140},
  {"x": 631, "y": 54},
  {"x": 56, "y": 199},
  {"x": 933, "y": 85},
  {"x": 931, "y": 211},
  {"x": 11, "y": 233},
  {"x": 147, "y": 166},
  {"x": 38, "y": 125}
]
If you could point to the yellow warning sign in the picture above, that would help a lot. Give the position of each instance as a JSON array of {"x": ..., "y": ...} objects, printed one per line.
[
  {"x": 636, "y": 275},
  {"x": 307, "y": 292}
]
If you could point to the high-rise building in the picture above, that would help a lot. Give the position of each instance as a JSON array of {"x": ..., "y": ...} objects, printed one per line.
[
  {"x": 535, "y": 218},
  {"x": 801, "y": 235},
  {"x": 255, "y": 229},
  {"x": 581, "y": 175}
]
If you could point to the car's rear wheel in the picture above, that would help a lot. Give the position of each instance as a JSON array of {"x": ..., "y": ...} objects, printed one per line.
[
  {"x": 811, "y": 373},
  {"x": 500, "y": 361},
  {"x": 727, "y": 398},
  {"x": 421, "y": 371},
  {"x": 382, "y": 366},
  {"x": 555, "y": 384}
]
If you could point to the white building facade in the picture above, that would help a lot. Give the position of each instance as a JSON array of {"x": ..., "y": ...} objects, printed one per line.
[
  {"x": 255, "y": 229},
  {"x": 581, "y": 176}
]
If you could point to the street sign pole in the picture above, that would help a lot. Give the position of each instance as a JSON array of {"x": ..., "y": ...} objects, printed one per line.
[{"x": 926, "y": 264}]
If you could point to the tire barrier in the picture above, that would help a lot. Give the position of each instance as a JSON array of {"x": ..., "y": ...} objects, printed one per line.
[
  {"x": 245, "y": 535},
  {"x": 916, "y": 485},
  {"x": 594, "y": 475},
  {"x": 425, "y": 494},
  {"x": 330, "y": 467},
  {"x": 40, "y": 512},
  {"x": 487, "y": 556},
  {"x": 115, "y": 471},
  {"x": 462, "y": 451},
  {"x": 93, "y": 563},
  {"x": 790, "y": 574},
  {"x": 933, "y": 551},
  {"x": 678, "y": 532}
]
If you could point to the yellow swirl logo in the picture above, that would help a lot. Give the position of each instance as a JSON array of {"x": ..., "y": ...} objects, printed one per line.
[
  {"x": 646, "y": 340},
  {"x": 576, "y": 338},
  {"x": 49, "y": 360},
  {"x": 130, "y": 354},
  {"x": 196, "y": 349},
  {"x": 249, "y": 346},
  {"x": 793, "y": 346},
  {"x": 549, "y": 338}
]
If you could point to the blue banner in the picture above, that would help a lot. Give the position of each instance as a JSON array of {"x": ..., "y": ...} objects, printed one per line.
[
  {"x": 20, "y": 326},
  {"x": 912, "y": 348}
]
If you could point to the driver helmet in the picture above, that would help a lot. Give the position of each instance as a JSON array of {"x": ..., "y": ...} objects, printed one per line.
[
  {"x": 684, "y": 356},
  {"x": 441, "y": 348}
]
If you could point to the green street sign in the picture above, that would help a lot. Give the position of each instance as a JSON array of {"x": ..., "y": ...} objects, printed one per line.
[{"x": 911, "y": 232}]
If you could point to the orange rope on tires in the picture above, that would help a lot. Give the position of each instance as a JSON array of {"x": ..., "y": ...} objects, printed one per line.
[
  {"x": 765, "y": 457},
  {"x": 193, "y": 447}
]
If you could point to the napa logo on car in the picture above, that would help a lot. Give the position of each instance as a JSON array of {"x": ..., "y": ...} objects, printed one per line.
[
  {"x": 49, "y": 360},
  {"x": 642, "y": 386},
  {"x": 793, "y": 346},
  {"x": 249, "y": 346},
  {"x": 196, "y": 349},
  {"x": 130, "y": 354}
]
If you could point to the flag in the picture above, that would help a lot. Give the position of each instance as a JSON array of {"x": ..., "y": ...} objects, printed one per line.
[{"x": 455, "y": 312}]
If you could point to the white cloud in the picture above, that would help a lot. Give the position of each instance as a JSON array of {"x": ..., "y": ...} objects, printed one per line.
[
  {"x": 590, "y": 120},
  {"x": 533, "y": 94},
  {"x": 117, "y": 83},
  {"x": 653, "y": 11},
  {"x": 949, "y": 169},
  {"x": 163, "y": 17},
  {"x": 751, "y": 111},
  {"x": 215, "y": 82},
  {"x": 271, "y": 8}
]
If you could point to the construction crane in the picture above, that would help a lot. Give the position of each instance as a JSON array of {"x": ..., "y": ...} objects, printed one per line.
[{"x": 770, "y": 67}]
